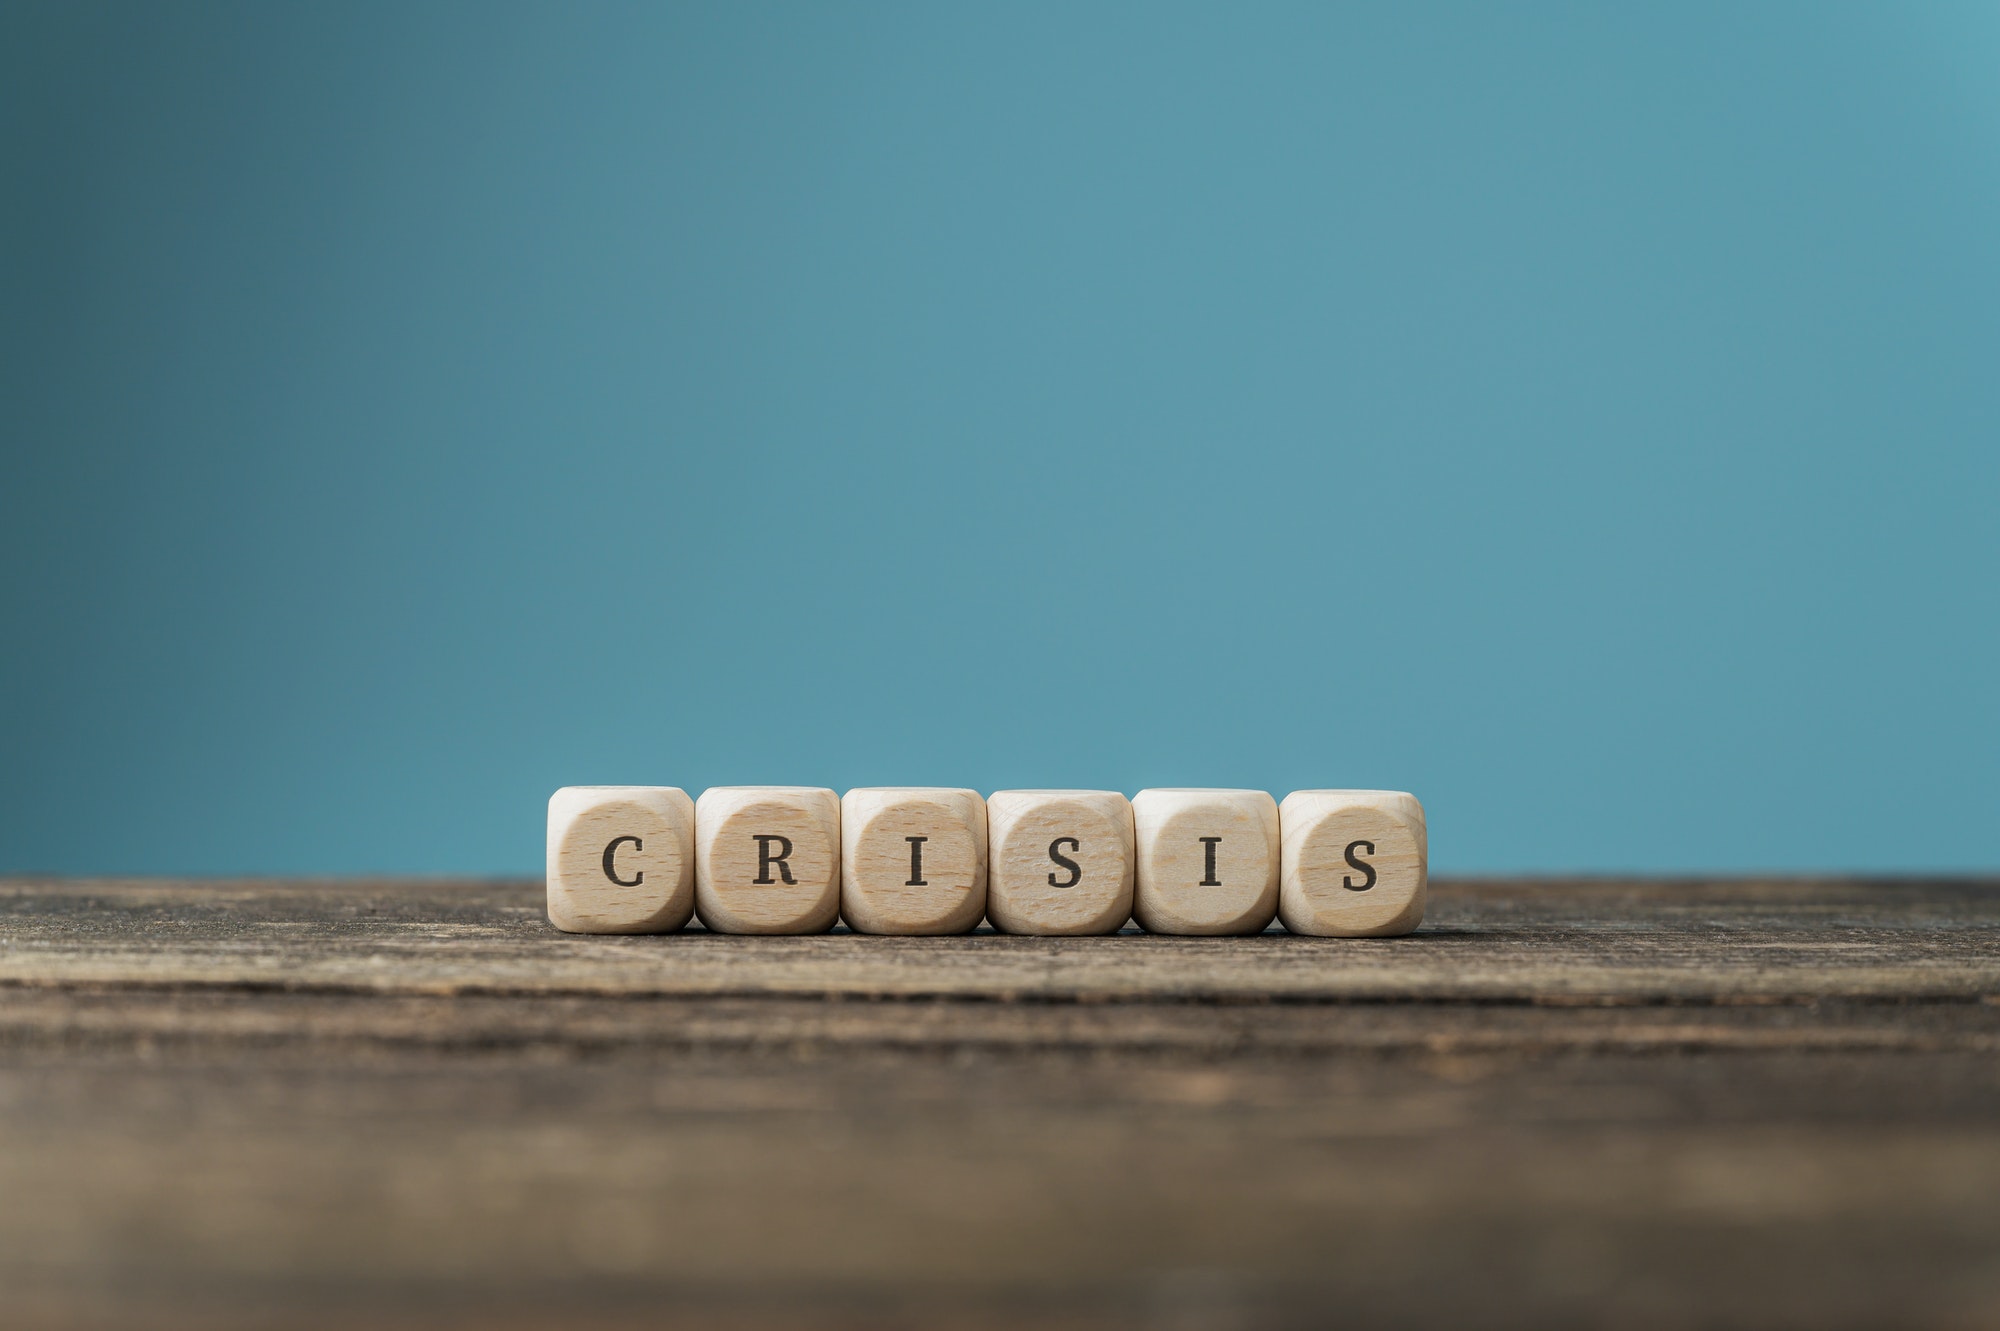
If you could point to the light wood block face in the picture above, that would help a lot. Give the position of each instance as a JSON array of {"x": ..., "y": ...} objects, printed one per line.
[
  {"x": 912, "y": 860},
  {"x": 1061, "y": 861},
  {"x": 1356, "y": 863},
  {"x": 1207, "y": 861},
  {"x": 620, "y": 859},
  {"x": 767, "y": 859}
]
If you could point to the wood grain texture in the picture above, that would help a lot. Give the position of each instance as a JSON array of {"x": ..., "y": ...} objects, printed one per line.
[
  {"x": 888, "y": 885},
  {"x": 767, "y": 859},
  {"x": 1576, "y": 942},
  {"x": 1207, "y": 861},
  {"x": 1061, "y": 861},
  {"x": 1685, "y": 1103},
  {"x": 1356, "y": 863},
  {"x": 620, "y": 859}
]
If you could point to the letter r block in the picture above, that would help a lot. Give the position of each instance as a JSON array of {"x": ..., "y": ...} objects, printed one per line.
[
  {"x": 912, "y": 860},
  {"x": 1060, "y": 861},
  {"x": 1356, "y": 863},
  {"x": 620, "y": 859},
  {"x": 1208, "y": 861},
  {"x": 767, "y": 859}
]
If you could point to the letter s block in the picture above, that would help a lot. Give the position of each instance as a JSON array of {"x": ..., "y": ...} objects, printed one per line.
[
  {"x": 621, "y": 859},
  {"x": 912, "y": 860},
  {"x": 767, "y": 859},
  {"x": 1356, "y": 863},
  {"x": 1059, "y": 861}
]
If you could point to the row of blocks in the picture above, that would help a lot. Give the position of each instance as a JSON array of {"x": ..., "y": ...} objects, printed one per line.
[{"x": 921, "y": 860}]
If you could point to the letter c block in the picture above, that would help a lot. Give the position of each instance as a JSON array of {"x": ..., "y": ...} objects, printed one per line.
[{"x": 620, "y": 859}]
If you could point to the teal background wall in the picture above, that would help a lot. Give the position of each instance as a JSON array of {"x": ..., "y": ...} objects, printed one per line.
[{"x": 1585, "y": 416}]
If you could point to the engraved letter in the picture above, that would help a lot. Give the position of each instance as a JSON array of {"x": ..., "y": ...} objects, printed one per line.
[
  {"x": 611, "y": 866},
  {"x": 765, "y": 859},
  {"x": 1075, "y": 869},
  {"x": 916, "y": 861},
  {"x": 1362, "y": 865},
  {"x": 1208, "y": 878}
]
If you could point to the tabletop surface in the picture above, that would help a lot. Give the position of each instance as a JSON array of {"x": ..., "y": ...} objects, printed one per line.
[{"x": 1712, "y": 1102}]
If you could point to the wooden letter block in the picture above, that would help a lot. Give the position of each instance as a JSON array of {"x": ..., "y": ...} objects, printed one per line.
[
  {"x": 1355, "y": 863},
  {"x": 912, "y": 860},
  {"x": 1208, "y": 861},
  {"x": 1061, "y": 861},
  {"x": 767, "y": 859},
  {"x": 621, "y": 859}
]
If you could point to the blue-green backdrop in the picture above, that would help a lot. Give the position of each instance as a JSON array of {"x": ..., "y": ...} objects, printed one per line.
[{"x": 1585, "y": 416}]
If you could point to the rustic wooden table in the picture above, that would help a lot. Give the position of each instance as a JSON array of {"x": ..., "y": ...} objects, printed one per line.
[{"x": 1662, "y": 1103}]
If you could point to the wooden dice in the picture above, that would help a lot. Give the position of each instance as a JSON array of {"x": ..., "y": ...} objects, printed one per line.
[
  {"x": 1208, "y": 861},
  {"x": 767, "y": 859},
  {"x": 912, "y": 860},
  {"x": 1355, "y": 863},
  {"x": 925, "y": 860},
  {"x": 1061, "y": 861},
  {"x": 621, "y": 859}
]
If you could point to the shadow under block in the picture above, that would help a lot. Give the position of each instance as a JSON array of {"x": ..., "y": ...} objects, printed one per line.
[
  {"x": 620, "y": 859},
  {"x": 1060, "y": 861},
  {"x": 1207, "y": 861},
  {"x": 1355, "y": 863},
  {"x": 767, "y": 859},
  {"x": 912, "y": 860}
]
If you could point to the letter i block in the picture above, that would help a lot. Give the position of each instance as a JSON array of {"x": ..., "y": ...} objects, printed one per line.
[
  {"x": 621, "y": 859},
  {"x": 1208, "y": 861},
  {"x": 912, "y": 860},
  {"x": 1356, "y": 863},
  {"x": 767, "y": 859},
  {"x": 1060, "y": 861}
]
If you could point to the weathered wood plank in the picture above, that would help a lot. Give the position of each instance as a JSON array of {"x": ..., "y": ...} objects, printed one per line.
[
  {"x": 1835, "y": 1189},
  {"x": 1580, "y": 942},
  {"x": 264, "y": 1025},
  {"x": 1678, "y": 1104}
]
